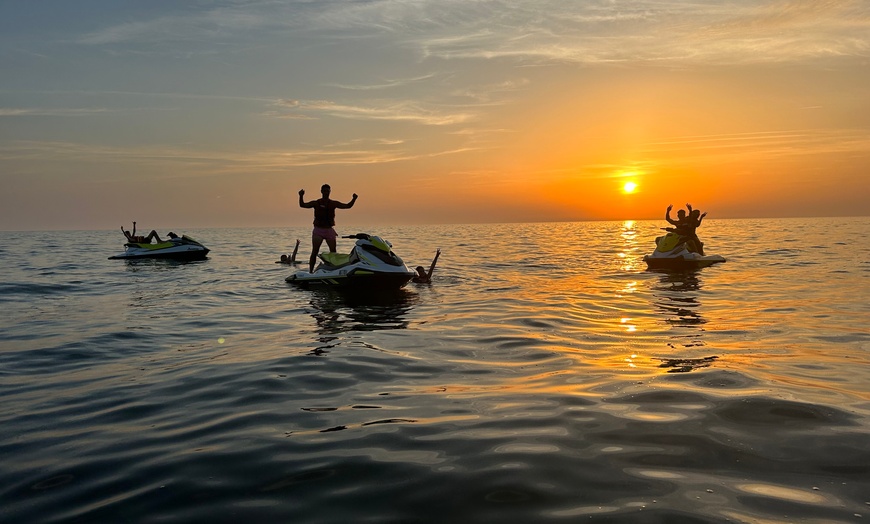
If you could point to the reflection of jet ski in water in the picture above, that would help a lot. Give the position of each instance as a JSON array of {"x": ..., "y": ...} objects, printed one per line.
[
  {"x": 176, "y": 248},
  {"x": 676, "y": 251},
  {"x": 371, "y": 264}
]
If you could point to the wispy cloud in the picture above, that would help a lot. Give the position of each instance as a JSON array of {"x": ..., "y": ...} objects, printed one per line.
[
  {"x": 651, "y": 31},
  {"x": 766, "y": 144},
  {"x": 214, "y": 162},
  {"x": 224, "y": 23},
  {"x": 387, "y": 84},
  {"x": 9, "y": 112},
  {"x": 588, "y": 32},
  {"x": 406, "y": 111}
]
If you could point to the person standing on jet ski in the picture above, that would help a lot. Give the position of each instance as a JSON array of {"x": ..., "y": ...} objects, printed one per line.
[{"x": 324, "y": 220}]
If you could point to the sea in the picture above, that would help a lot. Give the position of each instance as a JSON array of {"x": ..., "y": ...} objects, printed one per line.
[{"x": 544, "y": 375}]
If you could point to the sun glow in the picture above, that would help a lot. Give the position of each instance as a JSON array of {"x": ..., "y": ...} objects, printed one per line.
[{"x": 629, "y": 187}]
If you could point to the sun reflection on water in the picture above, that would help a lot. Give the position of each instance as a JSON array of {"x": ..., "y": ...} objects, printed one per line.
[{"x": 630, "y": 261}]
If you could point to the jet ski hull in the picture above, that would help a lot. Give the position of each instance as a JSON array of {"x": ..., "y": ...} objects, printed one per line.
[
  {"x": 371, "y": 266},
  {"x": 182, "y": 249},
  {"x": 360, "y": 279},
  {"x": 682, "y": 263},
  {"x": 672, "y": 253}
]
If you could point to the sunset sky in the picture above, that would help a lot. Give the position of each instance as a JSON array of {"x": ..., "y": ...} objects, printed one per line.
[{"x": 214, "y": 114}]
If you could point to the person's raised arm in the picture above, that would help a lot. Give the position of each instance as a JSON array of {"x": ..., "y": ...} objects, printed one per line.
[
  {"x": 348, "y": 205},
  {"x": 303, "y": 203},
  {"x": 668, "y": 216},
  {"x": 295, "y": 250},
  {"x": 700, "y": 218},
  {"x": 432, "y": 266}
]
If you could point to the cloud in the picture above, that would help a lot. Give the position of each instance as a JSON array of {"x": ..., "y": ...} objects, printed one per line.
[
  {"x": 487, "y": 93},
  {"x": 399, "y": 111},
  {"x": 590, "y": 32},
  {"x": 766, "y": 145},
  {"x": 207, "y": 162},
  {"x": 222, "y": 23},
  {"x": 8, "y": 112},
  {"x": 387, "y": 84},
  {"x": 666, "y": 33}
]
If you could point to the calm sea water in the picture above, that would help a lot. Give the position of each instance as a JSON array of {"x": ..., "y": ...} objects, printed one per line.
[{"x": 544, "y": 376}]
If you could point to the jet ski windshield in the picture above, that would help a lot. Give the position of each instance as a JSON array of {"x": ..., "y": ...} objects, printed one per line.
[{"x": 388, "y": 257}]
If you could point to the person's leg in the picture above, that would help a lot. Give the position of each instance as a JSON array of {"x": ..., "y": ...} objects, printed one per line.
[
  {"x": 316, "y": 242},
  {"x": 152, "y": 235},
  {"x": 331, "y": 243}
]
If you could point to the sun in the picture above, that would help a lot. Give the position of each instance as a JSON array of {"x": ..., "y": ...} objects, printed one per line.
[{"x": 629, "y": 188}]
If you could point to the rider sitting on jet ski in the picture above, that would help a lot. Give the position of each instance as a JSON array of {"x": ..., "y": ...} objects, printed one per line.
[{"x": 686, "y": 225}]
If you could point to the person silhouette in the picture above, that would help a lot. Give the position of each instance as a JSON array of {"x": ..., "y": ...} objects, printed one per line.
[
  {"x": 423, "y": 276},
  {"x": 324, "y": 220},
  {"x": 133, "y": 238}
]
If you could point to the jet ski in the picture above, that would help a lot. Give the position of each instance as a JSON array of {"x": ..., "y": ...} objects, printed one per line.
[
  {"x": 370, "y": 265},
  {"x": 175, "y": 248},
  {"x": 674, "y": 251}
]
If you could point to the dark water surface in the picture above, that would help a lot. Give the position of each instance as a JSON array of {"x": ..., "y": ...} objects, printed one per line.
[{"x": 544, "y": 376}]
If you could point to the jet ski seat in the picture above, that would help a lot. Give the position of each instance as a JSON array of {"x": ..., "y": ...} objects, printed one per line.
[
  {"x": 161, "y": 245},
  {"x": 338, "y": 259}
]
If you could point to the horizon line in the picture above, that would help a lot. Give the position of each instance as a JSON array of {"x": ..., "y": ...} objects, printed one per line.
[{"x": 459, "y": 223}]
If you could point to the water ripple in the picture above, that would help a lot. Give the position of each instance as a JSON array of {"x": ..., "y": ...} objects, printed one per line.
[{"x": 530, "y": 390}]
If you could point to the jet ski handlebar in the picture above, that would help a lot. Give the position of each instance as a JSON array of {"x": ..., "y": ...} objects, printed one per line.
[{"x": 359, "y": 236}]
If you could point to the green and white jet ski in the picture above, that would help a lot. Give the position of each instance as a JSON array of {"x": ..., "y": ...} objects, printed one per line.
[
  {"x": 370, "y": 265},
  {"x": 176, "y": 248}
]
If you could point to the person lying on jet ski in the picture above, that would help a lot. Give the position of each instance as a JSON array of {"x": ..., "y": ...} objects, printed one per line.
[
  {"x": 138, "y": 239},
  {"x": 324, "y": 220},
  {"x": 422, "y": 276}
]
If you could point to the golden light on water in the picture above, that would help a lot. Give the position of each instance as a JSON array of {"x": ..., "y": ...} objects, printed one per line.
[{"x": 629, "y": 258}]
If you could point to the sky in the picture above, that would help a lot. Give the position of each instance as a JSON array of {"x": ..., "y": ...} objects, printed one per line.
[{"x": 216, "y": 113}]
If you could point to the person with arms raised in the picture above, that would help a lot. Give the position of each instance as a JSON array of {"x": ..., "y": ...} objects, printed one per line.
[{"x": 324, "y": 220}]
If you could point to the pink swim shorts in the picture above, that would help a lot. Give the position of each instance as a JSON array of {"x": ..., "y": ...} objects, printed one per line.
[{"x": 326, "y": 233}]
